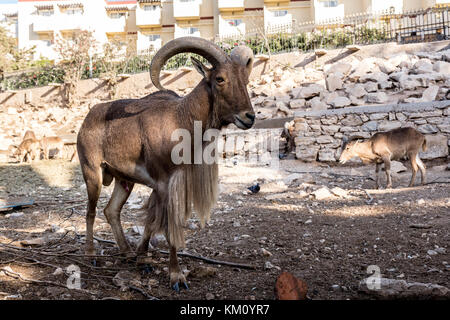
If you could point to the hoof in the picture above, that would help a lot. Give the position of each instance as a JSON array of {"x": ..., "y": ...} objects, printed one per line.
[
  {"x": 146, "y": 269},
  {"x": 176, "y": 279}
]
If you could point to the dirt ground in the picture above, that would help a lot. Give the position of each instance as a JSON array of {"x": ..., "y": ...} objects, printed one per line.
[{"x": 328, "y": 243}]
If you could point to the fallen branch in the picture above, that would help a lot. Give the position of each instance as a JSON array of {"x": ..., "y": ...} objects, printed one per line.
[
  {"x": 145, "y": 294},
  {"x": 18, "y": 276},
  {"x": 212, "y": 261},
  {"x": 368, "y": 195}
]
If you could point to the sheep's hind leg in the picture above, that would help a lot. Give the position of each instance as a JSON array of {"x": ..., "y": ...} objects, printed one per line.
[
  {"x": 120, "y": 194},
  {"x": 414, "y": 168},
  {"x": 92, "y": 179}
]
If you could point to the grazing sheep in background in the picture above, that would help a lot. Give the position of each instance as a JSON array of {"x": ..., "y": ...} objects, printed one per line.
[{"x": 383, "y": 147}]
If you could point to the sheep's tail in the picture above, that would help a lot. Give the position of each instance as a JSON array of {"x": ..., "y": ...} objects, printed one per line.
[{"x": 424, "y": 144}]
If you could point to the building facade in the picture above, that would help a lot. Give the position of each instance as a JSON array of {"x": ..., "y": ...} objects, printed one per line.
[{"x": 147, "y": 24}]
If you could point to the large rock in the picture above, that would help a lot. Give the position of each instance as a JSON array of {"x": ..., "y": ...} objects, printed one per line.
[
  {"x": 377, "y": 97},
  {"x": 386, "y": 66},
  {"x": 297, "y": 103},
  {"x": 340, "y": 67},
  {"x": 442, "y": 67},
  {"x": 423, "y": 66},
  {"x": 351, "y": 120},
  {"x": 371, "y": 86},
  {"x": 334, "y": 82},
  {"x": 322, "y": 194},
  {"x": 327, "y": 155},
  {"x": 430, "y": 93},
  {"x": 436, "y": 147},
  {"x": 407, "y": 83},
  {"x": 340, "y": 102},
  {"x": 311, "y": 91},
  {"x": 307, "y": 154},
  {"x": 357, "y": 91},
  {"x": 386, "y": 125},
  {"x": 375, "y": 77},
  {"x": 397, "y": 59},
  {"x": 317, "y": 105},
  {"x": 370, "y": 126}
]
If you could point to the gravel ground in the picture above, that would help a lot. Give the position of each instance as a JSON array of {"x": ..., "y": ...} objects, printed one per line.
[{"x": 326, "y": 240}]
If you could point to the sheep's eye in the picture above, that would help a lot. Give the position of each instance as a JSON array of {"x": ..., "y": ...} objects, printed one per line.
[{"x": 220, "y": 80}]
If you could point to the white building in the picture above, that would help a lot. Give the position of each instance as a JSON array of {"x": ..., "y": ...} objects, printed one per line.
[
  {"x": 143, "y": 25},
  {"x": 8, "y": 18}
]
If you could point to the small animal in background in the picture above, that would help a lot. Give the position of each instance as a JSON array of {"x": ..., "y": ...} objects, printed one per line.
[
  {"x": 29, "y": 135},
  {"x": 288, "y": 134},
  {"x": 28, "y": 150},
  {"x": 254, "y": 188},
  {"x": 48, "y": 144},
  {"x": 387, "y": 146}
]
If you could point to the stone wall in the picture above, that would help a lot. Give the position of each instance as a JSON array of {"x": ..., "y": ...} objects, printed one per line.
[
  {"x": 318, "y": 134},
  {"x": 257, "y": 146}
]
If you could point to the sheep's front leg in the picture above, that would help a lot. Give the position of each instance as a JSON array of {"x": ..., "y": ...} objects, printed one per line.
[
  {"x": 387, "y": 167},
  {"x": 176, "y": 276}
]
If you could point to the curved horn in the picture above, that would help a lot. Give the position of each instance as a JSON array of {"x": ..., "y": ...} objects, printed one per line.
[
  {"x": 205, "y": 48},
  {"x": 244, "y": 56}
]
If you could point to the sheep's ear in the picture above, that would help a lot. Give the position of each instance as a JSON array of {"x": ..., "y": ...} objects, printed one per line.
[{"x": 200, "y": 67}]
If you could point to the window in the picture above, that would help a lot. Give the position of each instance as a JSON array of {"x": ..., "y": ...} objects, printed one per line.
[
  {"x": 153, "y": 37},
  {"x": 47, "y": 42},
  {"x": 150, "y": 8},
  {"x": 189, "y": 30},
  {"x": 117, "y": 15},
  {"x": 280, "y": 13},
  {"x": 329, "y": 4},
  {"x": 234, "y": 22},
  {"x": 45, "y": 13},
  {"x": 77, "y": 11}
]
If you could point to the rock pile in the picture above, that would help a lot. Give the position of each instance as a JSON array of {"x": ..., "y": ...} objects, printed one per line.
[{"x": 353, "y": 81}]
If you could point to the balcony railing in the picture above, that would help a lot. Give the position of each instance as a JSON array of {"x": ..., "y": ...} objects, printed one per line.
[
  {"x": 148, "y": 18},
  {"x": 185, "y": 10},
  {"x": 276, "y": 1},
  {"x": 231, "y": 5},
  {"x": 115, "y": 25}
]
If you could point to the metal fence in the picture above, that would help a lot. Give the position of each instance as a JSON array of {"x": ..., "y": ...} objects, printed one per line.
[{"x": 430, "y": 24}]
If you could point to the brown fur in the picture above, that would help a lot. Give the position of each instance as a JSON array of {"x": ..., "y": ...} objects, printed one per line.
[
  {"x": 52, "y": 143},
  {"x": 29, "y": 134},
  {"x": 129, "y": 141},
  {"x": 28, "y": 150},
  {"x": 383, "y": 147}
]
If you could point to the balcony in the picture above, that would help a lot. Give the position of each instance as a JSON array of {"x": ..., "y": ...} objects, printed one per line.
[
  {"x": 274, "y": 2},
  {"x": 148, "y": 18},
  {"x": 116, "y": 25},
  {"x": 71, "y": 22},
  {"x": 275, "y": 24},
  {"x": 231, "y": 5},
  {"x": 186, "y": 10},
  {"x": 186, "y": 31},
  {"x": 44, "y": 24},
  {"x": 324, "y": 14}
]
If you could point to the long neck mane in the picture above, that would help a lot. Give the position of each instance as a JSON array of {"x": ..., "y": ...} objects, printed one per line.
[{"x": 199, "y": 105}]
